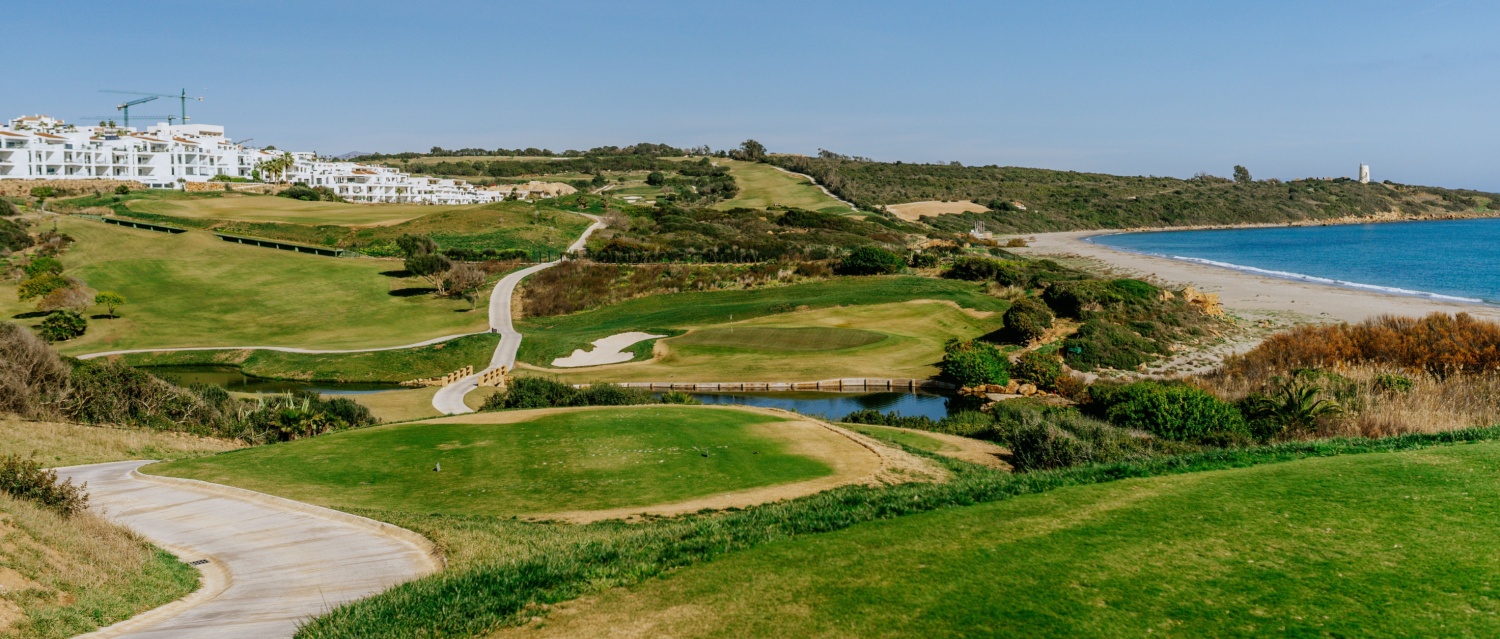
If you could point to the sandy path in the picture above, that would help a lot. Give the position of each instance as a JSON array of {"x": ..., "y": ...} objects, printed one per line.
[
  {"x": 450, "y": 400},
  {"x": 1247, "y": 293},
  {"x": 270, "y": 563},
  {"x": 855, "y": 459}
]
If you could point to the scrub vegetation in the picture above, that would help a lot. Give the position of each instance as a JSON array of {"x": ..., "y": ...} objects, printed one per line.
[{"x": 1022, "y": 200}]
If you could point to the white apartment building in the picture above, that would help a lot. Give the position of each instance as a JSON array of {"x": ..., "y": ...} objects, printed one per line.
[{"x": 166, "y": 156}]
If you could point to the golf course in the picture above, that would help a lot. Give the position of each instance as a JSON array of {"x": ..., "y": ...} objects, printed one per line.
[{"x": 1320, "y": 547}]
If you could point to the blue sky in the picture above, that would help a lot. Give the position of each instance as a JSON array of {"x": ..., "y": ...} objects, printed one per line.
[{"x": 1289, "y": 89}]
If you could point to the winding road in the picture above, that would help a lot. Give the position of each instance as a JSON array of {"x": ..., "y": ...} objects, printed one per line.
[
  {"x": 450, "y": 399},
  {"x": 268, "y": 563}
]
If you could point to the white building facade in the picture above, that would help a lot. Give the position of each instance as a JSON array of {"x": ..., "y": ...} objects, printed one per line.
[{"x": 166, "y": 156}]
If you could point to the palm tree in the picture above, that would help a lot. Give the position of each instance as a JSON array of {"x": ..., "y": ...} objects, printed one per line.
[{"x": 1296, "y": 405}]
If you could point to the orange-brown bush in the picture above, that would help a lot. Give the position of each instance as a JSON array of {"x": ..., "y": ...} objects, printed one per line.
[{"x": 1438, "y": 344}]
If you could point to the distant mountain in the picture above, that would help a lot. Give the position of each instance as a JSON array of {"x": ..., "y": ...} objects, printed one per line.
[{"x": 351, "y": 155}]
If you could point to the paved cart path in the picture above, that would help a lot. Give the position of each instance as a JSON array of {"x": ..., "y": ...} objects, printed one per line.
[
  {"x": 450, "y": 400},
  {"x": 272, "y": 563}
]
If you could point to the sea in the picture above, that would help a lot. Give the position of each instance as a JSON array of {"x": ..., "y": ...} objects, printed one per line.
[{"x": 1450, "y": 260}]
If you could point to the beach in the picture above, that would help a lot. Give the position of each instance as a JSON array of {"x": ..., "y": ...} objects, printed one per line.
[{"x": 1247, "y": 294}]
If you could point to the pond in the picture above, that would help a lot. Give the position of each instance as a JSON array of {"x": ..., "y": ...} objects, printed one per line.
[
  {"x": 233, "y": 379},
  {"x": 835, "y": 406}
]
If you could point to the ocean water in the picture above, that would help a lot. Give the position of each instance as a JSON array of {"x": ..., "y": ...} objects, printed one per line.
[{"x": 1452, "y": 260}]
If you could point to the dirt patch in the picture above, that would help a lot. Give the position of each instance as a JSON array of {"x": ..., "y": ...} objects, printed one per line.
[
  {"x": 913, "y": 211},
  {"x": 855, "y": 459},
  {"x": 974, "y": 451}
]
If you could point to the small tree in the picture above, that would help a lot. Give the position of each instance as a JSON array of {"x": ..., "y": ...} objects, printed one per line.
[
  {"x": 1026, "y": 320},
  {"x": 42, "y": 265},
  {"x": 123, "y": 189},
  {"x": 1241, "y": 174},
  {"x": 431, "y": 267},
  {"x": 655, "y": 178},
  {"x": 414, "y": 245},
  {"x": 466, "y": 281},
  {"x": 110, "y": 300},
  {"x": 750, "y": 150},
  {"x": 76, "y": 298},
  {"x": 62, "y": 326},
  {"x": 41, "y": 285}
]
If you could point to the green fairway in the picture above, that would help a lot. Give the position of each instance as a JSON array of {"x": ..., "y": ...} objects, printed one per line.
[
  {"x": 847, "y": 312},
  {"x": 547, "y": 462},
  {"x": 763, "y": 185},
  {"x": 372, "y": 366},
  {"x": 196, "y": 290},
  {"x": 1378, "y": 545},
  {"x": 268, "y": 208},
  {"x": 780, "y": 339}
]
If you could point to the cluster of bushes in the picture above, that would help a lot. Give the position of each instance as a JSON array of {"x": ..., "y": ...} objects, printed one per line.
[
  {"x": 36, "y": 383},
  {"x": 580, "y": 285},
  {"x": 1026, "y": 320},
  {"x": 699, "y": 182},
  {"x": 301, "y": 191},
  {"x": 870, "y": 260},
  {"x": 486, "y": 255},
  {"x": 24, "y": 478},
  {"x": 669, "y": 232},
  {"x": 13, "y": 236},
  {"x": 537, "y": 392}
]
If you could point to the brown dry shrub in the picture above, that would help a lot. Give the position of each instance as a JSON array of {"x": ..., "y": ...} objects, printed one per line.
[
  {"x": 1439, "y": 344},
  {"x": 33, "y": 379}
]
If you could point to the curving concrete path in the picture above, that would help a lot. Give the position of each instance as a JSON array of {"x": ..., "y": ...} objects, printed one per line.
[
  {"x": 450, "y": 399},
  {"x": 271, "y": 563}
]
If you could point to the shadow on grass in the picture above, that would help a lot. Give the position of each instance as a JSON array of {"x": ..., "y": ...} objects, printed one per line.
[
  {"x": 412, "y": 291},
  {"x": 31, "y": 315},
  {"x": 396, "y": 273}
]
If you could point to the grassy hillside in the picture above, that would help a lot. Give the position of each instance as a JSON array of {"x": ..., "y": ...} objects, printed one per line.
[
  {"x": 1390, "y": 545},
  {"x": 879, "y": 334},
  {"x": 535, "y": 462},
  {"x": 61, "y": 444},
  {"x": 373, "y": 366},
  {"x": 1066, "y": 200},
  {"x": 542, "y": 228},
  {"x": 762, "y": 185},
  {"x": 196, "y": 290}
]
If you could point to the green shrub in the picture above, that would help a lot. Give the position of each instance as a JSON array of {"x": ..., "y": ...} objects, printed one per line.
[
  {"x": 43, "y": 191},
  {"x": 41, "y": 285},
  {"x": 300, "y": 191},
  {"x": 44, "y": 265},
  {"x": 13, "y": 236},
  {"x": 7, "y": 209},
  {"x": 1044, "y": 446},
  {"x": 1039, "y": 368},
  {"x": 1393, "y": 383},
  {"x": 25, "y": 478},
  {"x": 870, "y": 260},
  {"x": 1171, "y": 410},
  {"x": 1026, "y": 320},
  {"x": 1074, "y": 298},
  {"x": 923, "y": 259},
  {"x": 122, "y": 189},
  {"x": 62, "y": 326},
  {"x": 974, "y": 269},
  {"x": 1100, "y": 344},
  {"x": 539, "y": 392},
  {"x": 972, "y": 363}
]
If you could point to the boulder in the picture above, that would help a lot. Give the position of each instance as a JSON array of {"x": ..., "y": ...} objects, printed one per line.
[{"x": 1027, "y": 389}]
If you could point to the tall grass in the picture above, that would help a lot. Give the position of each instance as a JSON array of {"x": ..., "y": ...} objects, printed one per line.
[{"x": 505, "y": 572}]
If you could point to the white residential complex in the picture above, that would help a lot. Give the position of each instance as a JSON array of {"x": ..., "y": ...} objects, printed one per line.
[{"x": 167, "y": 156}]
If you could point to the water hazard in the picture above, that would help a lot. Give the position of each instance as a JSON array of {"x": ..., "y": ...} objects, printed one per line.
[{"x": 836, "y": 405}]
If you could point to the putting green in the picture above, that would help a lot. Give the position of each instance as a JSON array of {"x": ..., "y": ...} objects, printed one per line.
[
  {"x": 779, "y": 339},
  {"x": 549, "y": 461}
]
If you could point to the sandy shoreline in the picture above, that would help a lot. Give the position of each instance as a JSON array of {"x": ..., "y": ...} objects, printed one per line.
[{"x": 1248, "y": 294}]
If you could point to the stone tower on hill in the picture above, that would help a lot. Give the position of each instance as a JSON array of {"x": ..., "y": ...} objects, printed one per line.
[{"x": 1364, "y": 173}]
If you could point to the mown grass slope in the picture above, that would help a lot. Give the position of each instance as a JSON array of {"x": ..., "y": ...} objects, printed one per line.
[
  {"x": 762, "y": 185},
  {"x": 196, "y": 290},
  {"x": 544, "y": 462},
  {"x": 371, "y": 366},
  {"x": 268, "y": 208},
  {"x": 855, "y": 310},
  {"x": 1382, "y": 545}
]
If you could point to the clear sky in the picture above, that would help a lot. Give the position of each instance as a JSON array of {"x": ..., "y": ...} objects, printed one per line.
[{"x": 1289, "y": 89}]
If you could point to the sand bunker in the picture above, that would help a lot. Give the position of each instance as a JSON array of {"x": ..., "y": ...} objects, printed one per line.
[{"x": 606, "y": 351}]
